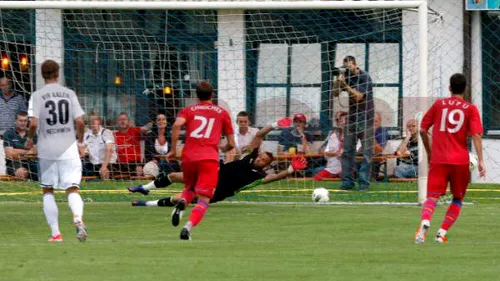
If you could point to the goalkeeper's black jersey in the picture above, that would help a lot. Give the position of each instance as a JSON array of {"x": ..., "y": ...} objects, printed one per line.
[{"x": 235, "y": 175}]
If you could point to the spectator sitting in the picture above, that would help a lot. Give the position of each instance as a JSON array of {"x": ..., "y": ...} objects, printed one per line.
[
  {"x": 128, "y": 143},
  {"x": 19, "y": 160},
  {"x": 381, "y": 134},
  {"x": 408, "y": 168},
  {"x": 296, "y": 136},
  {"x": 333, "y": 150},
  {"x": 100, "y": 144},
  {"x": 10, "y": 104},
  {"x": 379, "y": 143},
  {"x": 157, "y": 144},
  {"x": 243, "y": 136}
]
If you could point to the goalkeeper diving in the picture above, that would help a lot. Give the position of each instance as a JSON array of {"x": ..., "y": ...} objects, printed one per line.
[{"x": 234, "y": 176}]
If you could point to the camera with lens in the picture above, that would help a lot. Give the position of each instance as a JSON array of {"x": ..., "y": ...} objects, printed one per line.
[
  {"x": 337, "y": 86},
  {"x": 336, "y": 71}
]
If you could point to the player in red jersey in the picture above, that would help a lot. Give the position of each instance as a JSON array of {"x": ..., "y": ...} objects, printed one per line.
[
  {"x": 452, "y": 120},
  {"x": 205, "y": 122}
]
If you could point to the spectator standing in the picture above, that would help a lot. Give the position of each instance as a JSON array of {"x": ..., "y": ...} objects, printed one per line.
[
  {"x": 358, "y": 85},
  {"x": 10, "y": 104}
]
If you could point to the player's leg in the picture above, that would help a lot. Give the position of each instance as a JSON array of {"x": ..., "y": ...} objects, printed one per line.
[
  {"x": 160, "y": 182},
  {"x": 190, "y": 174},
  {"x": 163, "y": 202},
  {"x": 70, "y": 173},
  {"x": 48, "y": 178},
  {"x": 436, "y": 186},
  {"x": 459, "y": 180},
  {"x": 205, "y": 187},
  {"x": 51, "y": 214}
]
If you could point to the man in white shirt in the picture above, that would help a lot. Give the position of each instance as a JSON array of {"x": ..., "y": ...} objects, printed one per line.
[
  {"x": 56, "y": 113},
  {"x": 100, "y": 145},
  {"x": 243, "y": 136}
]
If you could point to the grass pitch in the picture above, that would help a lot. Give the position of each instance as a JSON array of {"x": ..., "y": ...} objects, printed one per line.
[{"x": 248, "y": 242}]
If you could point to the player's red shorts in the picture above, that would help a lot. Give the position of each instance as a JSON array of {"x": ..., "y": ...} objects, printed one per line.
[
  {"x": 440, "y": 174},
  {"x": 201, "y": 176}
]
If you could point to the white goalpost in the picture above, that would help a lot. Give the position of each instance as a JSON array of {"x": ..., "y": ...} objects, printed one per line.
[{"x": 142, "y": 52}]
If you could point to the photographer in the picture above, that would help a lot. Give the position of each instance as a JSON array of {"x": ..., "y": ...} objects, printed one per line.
[{"x": 358, "y": 85}]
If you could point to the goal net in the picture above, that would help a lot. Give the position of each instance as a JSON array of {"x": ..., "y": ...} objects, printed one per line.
[{"x": 130, "y": 67}]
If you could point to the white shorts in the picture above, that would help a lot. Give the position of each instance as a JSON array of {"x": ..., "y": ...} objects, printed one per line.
[{"x": 60, "y": 174}]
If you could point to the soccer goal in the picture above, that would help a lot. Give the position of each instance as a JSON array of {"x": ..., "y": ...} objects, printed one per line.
[{"x": 271, "y": 59}]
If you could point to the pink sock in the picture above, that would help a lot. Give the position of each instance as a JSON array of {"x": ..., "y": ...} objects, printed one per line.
[
  {"x": 198, "y": 212},
  {"x": 451, "y": 214},
  {"x": 428, "y": 209}
]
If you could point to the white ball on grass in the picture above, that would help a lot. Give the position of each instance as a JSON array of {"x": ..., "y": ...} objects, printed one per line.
[{"x": 321, "y": 195}]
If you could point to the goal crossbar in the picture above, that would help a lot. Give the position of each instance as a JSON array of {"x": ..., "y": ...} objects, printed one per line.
[{"x": 213, "y": 5}]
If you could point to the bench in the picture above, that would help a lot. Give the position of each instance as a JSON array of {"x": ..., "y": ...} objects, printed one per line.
[
  {"x": 7, "y": 178},
  {"x": 403, "y": 179},
  {"x": 89, "y": 178}
]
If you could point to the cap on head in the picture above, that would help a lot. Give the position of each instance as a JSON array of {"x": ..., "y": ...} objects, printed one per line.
[
  {"x": 340, "y": 114},
  {"x": 299, "y": 117}
]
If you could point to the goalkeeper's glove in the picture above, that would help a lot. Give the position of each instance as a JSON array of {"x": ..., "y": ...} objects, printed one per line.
[
  {"x": 282, "y": 123},
  {"x": 298, "y": 163}
]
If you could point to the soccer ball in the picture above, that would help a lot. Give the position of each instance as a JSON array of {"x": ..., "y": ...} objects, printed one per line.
[
  {"x": 473, "y": 161},
  {"x": 320, "y": 195}
]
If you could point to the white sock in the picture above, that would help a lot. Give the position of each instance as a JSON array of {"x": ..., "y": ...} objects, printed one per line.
[
  {"x": 189, "y": 226},
  {"x": 149, "y": 186},
  {"x": 426, "y": 223},
  {"x": 76, "y": 204},
  {"x": 51, "y": 213},
  {"x": 153, "y": 203},
  {"x": 442, "y": 232}
]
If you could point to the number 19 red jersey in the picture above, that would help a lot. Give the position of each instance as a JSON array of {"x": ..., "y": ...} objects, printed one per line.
[
  {"x": 205, "y": 123},
  {"x": 453, "y": 120}
]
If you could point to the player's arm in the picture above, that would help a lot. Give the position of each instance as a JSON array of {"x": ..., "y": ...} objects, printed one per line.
[
  {"x": 80, "y": 128},
  {"x": 478, "y": 146},
  {"x": 259, "y": 136},
  {"x": 298, "y": 163},
  {"x": 231, "y": 144},
  {"x": 476, "y": 129},
  {"x": 31, "y": 132},
  {"x": 227, "y": 128},
  {"x": 425, "y": 126},
  {"x": 176, "y": 132}
]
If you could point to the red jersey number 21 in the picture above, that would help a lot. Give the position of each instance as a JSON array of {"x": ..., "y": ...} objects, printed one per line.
[
  {"x": 206, "y": 125},
  {"x": 455, "y": 118}
]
